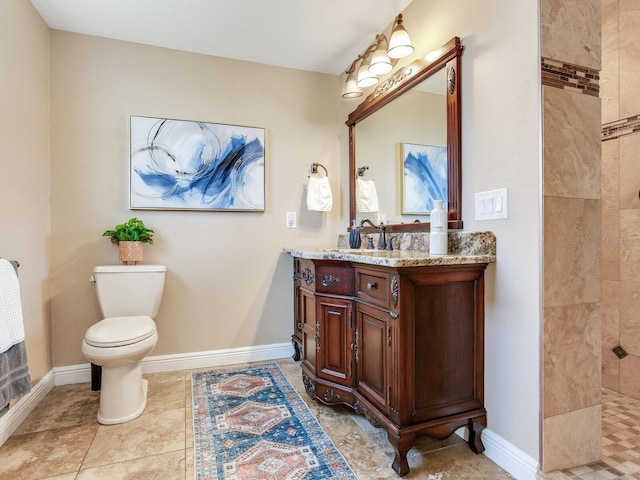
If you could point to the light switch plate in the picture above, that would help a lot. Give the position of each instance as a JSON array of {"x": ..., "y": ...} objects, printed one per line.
[
  {"x": 291, "y": 219},
  {"x": 492, "y": 205}
]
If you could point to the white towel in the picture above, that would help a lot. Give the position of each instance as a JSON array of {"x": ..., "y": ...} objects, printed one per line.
[
  {"x": 319, "y": 196},
  {"x": 366, "y": 196},
  {"x": 11, "y": 323}
]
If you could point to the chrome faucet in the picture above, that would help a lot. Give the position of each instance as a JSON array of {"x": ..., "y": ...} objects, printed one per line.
[
  {"x": 382, "y": 240},
  {"x": 366, "y": 220}
]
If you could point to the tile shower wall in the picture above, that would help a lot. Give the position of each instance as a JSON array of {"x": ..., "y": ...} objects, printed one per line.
[
  {"x": 570, "y": 65},
  {"x": 620, "y": 200}
]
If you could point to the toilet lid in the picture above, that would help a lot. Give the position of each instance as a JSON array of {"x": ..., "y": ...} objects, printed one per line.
[{"x": 119, "y": 331}]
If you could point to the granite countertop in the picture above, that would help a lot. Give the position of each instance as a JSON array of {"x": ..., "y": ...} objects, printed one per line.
[
  {"x": 410, "y": 250},
  {"x": 390, "y": 258}
]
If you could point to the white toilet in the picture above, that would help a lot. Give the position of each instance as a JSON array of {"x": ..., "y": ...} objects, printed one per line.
[{"x": 129, "y": 299}]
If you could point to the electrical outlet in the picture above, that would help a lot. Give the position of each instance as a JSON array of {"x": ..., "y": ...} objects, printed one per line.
[{"x": 291, "y": 219}]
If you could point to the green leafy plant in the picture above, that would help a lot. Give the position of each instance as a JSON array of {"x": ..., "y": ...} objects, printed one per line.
[{"x": 131, "y": 231}]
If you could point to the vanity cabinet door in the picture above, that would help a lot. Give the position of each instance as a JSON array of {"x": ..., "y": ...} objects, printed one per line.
[
  {"x": 373, "y": 345},
  {"x": 307, "y": 327},
  {"x": 335, "y": 327},
  {"x": 296, "y": 338},
  {"x": 303, "y": 309}
]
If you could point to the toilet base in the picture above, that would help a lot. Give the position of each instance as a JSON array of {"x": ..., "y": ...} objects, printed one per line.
[
  {"x": 123, "y": 392},
  {"x": 125, "y": 400}
]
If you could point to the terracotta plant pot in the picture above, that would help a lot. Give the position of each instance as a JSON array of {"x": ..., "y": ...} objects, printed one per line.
[{"x": 131, "y": 252}]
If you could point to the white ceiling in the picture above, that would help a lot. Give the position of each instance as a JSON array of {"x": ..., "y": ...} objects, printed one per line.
[{"x": 314, "y": 35}]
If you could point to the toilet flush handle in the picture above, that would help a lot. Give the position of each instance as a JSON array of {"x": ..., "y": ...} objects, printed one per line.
[{"x": 92, "y": 279}]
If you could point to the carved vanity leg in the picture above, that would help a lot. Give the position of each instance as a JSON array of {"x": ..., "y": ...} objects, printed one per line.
[
  {"x": 476, "y": 425},
  {"x": 401, "y": 445},
  {"x": 296, "y": 351}
]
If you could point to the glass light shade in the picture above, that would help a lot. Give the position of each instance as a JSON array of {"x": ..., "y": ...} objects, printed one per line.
[
  {"x": 351, "y": 90},
  {"x": 399, "y": 43},
  {"x": 365, "y": 77},
  {"x": 380, "y": 62}
]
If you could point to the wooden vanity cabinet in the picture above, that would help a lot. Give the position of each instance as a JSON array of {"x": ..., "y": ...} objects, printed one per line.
[{"x": 404, "y": 346}]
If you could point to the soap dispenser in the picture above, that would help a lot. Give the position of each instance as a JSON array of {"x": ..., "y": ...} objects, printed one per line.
[
  {"x": 354, "y": 236},
  {"x": 438, "y": 236}
]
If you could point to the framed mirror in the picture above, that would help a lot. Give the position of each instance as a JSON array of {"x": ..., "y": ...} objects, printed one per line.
[{"x": 405, "y": 137}]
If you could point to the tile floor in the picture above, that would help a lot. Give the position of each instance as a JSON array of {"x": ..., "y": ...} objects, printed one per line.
[
  {"x": 620, "y": 443},
  {"x": 61, "y": 440}
]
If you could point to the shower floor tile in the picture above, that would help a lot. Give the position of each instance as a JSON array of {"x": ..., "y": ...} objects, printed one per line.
[{"x": 620, "y": 442}]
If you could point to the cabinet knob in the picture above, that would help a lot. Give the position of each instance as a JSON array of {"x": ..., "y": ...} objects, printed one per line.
[
  {"x": 372, "y": 286},
  {"x": 300, "y": 325}
]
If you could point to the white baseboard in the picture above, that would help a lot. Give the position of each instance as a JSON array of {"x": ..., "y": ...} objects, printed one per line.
[
  {"x": 505, "y": 454},
  {"x": 216, "y": 358},
  {"x": 508, "y": 456},
  {"x": 185, "y": 361},
  {"x": 18, "y": 413},
  {"x": 72, "y": 374}
]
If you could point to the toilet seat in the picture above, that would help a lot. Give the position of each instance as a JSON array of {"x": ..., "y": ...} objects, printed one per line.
[{"x": 120, "y": 331}]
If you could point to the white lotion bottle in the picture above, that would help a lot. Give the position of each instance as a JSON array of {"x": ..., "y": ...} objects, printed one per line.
[{"x": 438, "y": 236}]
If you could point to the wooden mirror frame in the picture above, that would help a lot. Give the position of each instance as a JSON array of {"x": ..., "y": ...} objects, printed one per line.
[{"x": 448, "y": 56}]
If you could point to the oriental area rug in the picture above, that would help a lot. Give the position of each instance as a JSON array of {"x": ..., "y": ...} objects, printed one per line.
[{"x": 249, "y": 423}]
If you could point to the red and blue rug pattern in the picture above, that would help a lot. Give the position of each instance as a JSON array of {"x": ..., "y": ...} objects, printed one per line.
[{"x": 249, "y": 423}]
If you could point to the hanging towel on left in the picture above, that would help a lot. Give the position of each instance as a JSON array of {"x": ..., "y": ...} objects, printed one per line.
[
  {"x": 319, "y": 196},
  {"x": 14, "y": 372}
]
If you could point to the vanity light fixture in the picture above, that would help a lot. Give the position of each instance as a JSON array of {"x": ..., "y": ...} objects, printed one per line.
[
  {"x": 400, "y": 43},
  {"x": 366, "y": 78},
  {"x": 351, "y": 89},
  {"x": 380, "y": 62},
  {"x": 377, "y": 59}
]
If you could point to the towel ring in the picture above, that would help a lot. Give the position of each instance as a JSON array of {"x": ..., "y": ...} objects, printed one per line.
[
  {"x": 361, "y": 170},
  {"x": 15, "y": 263},
  {"x": 314, "y": 168}
]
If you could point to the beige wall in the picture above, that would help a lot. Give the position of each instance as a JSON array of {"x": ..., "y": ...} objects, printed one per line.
[
  {"x": 621, "y": 205},
  {"x": 24, "y": 173},
  {"x": 228, "y": 283}
]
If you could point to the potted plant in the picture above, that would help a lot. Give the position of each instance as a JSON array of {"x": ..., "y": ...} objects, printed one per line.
[{"x": 130, "y": 238}]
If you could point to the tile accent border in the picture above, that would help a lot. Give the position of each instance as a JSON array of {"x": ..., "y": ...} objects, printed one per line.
[
  {"x": 570, "y": 77},
  {"x": 620, "y": 128}
]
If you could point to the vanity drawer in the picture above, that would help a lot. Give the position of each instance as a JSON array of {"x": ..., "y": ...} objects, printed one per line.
[
  {"x": 373, "y": 286},
  {"x": 305, "y": 273},
  {"x": 334, "y": 279}
]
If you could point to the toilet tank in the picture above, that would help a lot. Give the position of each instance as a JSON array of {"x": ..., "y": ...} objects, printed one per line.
[{"x": 124, "y": 290}]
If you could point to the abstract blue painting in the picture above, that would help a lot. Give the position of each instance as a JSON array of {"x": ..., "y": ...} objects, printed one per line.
[
  {"x": 424, "y": 169},
  {"x": 189, "y": 165}
]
